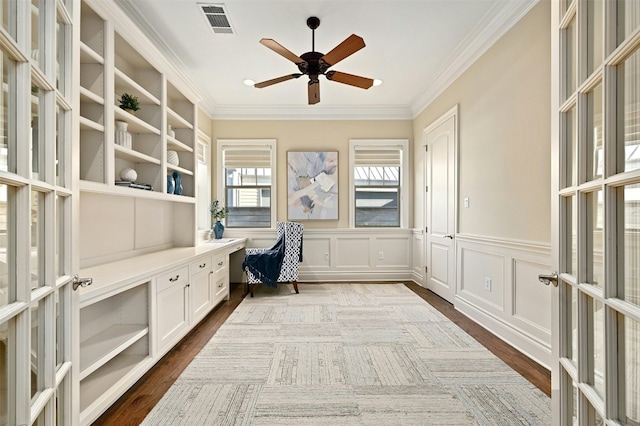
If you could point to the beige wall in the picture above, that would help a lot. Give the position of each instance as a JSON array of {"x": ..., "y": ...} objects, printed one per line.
[
  {"x": 312, "y": 135},
  {"x": 504, "y": 150},
  {"x": 204, "y": 122}
]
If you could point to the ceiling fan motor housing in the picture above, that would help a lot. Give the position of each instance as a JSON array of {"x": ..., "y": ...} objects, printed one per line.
[{"x": 313, "y": 65}]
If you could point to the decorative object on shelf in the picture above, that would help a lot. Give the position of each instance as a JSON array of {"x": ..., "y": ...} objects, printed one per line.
[
  {"x": 171, "y": 184},
  {"x": 171, "y": 132},
  {"x": 172, "y": 158},
  {"x": 128, "y": 175},
  {"x": 123, "y": 137},
  {"x": 218, "y": 230},
  {"x": 177, "y": 177},
  {"x": 129, "y": 103},
  {"x": 218, "y": 212}
]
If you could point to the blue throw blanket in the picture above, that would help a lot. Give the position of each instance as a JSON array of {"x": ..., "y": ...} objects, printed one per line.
[{"x": 266, "y": 265}]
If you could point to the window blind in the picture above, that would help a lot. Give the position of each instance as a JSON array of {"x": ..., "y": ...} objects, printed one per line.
[
  {"x": 246, "y": 156},
  {"x": 368, "y": 156}
]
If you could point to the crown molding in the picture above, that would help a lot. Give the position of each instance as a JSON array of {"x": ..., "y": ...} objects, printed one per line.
[
  {"x": 315, "y": 112},
  {"x": 500, "y": 19}
]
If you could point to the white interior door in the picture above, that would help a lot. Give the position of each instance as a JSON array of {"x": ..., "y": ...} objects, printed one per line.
[
  {"x": 440, "y": 208},
  {"x": 36, "y": 297},
  {"x": 596, "y": 125}
]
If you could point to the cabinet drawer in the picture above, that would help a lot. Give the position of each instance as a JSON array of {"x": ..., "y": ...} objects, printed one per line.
[
  {"x": 219, "y": 263},
  {"x": 201, "y": 264},
  {"x": 172, "y": 278}
]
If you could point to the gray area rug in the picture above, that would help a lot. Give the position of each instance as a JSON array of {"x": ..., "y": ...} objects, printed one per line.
[{"x": 346, "y": 354}]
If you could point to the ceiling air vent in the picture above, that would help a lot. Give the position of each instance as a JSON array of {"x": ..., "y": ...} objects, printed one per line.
[{"x": 216, "y": 16}]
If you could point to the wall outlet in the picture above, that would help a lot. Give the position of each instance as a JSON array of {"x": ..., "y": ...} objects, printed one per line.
[
  {"x": 380, "y": 255},
  {"x": 487, "y": 283},
  {"x": 466, "y": 202}
]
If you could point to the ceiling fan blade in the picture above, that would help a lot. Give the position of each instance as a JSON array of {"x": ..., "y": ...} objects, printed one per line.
[
  {"x": 314, "y": 92},
  {"x": 281, "y": 50},
  {"x": 350, "y": 79},
  {"x": 276, "y": 80},
  {"x": 351, "y": 45}
]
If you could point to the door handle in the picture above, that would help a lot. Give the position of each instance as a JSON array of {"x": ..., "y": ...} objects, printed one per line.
[
  {"x": 449, "y": 236},
  {"x": 549, "y": 278},
  {"x": 81, "y": 282}
]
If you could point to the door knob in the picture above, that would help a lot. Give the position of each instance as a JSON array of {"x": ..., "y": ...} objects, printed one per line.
[
  {"x": 549, "y": 278},
  {"x": 449, "y": 236}
]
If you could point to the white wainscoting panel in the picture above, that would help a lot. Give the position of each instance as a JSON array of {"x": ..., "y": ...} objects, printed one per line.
[
  {"x": 476, "y": 268},
  {"x": 418, "y": 256},
  {"x": 347, "y": 254},
  {"x": 353, "y": 252},
  {"x": 517, "y": 308}
]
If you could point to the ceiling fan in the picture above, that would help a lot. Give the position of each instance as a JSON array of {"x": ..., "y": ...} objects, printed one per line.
[{"x": 315, "y": 63}]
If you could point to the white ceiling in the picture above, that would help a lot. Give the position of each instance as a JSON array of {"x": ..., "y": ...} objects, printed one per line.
[{"x": 416, "y": 47}]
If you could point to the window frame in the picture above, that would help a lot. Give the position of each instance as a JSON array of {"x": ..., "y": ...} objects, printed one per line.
[
  {"x": 249, "y": 145},
  {"x": 381, "y": 144}
]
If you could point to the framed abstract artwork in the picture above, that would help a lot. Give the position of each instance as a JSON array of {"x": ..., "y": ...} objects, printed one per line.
[{"x": 312, "y": 185}]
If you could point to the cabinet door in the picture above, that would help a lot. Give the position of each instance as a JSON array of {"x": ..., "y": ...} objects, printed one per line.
[
  {"x": 201, "y": 295},
  {"x": 172, "y": 307}
]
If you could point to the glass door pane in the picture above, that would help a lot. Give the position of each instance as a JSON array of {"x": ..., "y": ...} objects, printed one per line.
[
  {"x": 630, "y": 204},
  {"x": 629, "y": 117}
]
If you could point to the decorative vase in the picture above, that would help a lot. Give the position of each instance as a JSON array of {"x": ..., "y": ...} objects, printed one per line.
[
  {"x": 123, "y": 137},
  {"x": 178, "y": 182},
  {"x": 171, "y": 132},
  {"x": 128, "y": 174},
  {"x": 171, "y": 184},
  {"x": 172, "y": 157},
  {"x": 218, "y": 229}
]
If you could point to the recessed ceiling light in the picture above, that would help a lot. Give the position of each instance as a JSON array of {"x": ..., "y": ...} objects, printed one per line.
[
  {"x": 249, "y": 82},
  {"x": 377, "y": 82}
]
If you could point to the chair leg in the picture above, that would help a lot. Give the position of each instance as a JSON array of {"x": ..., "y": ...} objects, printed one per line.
[
  {"x": 295, "y": 286},
  {"x": 251, "y": 289}
]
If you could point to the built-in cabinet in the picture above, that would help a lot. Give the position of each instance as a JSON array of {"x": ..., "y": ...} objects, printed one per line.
[
  {"x": 137, "y": 309},
  {"x": 152, "y": 283}
]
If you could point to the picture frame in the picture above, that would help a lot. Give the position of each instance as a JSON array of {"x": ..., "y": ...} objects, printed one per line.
[{"x": 312, "y": 185}]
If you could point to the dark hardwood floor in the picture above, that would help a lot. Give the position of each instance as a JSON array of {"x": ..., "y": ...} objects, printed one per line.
[{"x": 134, "y": 405}]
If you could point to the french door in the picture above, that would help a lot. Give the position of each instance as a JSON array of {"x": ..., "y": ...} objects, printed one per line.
[
  {"x": 35, "y": 212},
  {"x": 597, "y": 174}
]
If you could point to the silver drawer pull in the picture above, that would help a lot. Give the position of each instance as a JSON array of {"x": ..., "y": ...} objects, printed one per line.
[
  {"x": 173, "y": 279},
  {"x": 203, "y": 265}
]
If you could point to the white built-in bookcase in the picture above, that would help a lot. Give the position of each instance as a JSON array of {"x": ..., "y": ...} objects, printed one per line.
[{"x": 138, "y": 245}]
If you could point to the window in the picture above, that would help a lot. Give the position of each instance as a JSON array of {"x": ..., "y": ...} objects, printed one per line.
[
  {"x": 247, "y": 185},
  {"x": 378, "y": 172}
]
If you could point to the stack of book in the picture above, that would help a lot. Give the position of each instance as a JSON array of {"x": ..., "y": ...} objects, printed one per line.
[{"x": 134, "y": 185}]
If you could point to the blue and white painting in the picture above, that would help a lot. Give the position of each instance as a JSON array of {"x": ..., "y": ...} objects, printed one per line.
[{"x": 312, "y": 183}]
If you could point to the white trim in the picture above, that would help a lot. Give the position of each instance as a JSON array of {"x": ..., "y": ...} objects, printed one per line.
[
  {"x": 405, "y": 189},
  {"x": 249, "y": 144}
]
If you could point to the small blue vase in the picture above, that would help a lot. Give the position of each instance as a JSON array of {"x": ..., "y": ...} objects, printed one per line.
[
  {"x": 218, "y": 229},
  {"x": 171, "y": 184},
  {"x": 178, "y": 180}
]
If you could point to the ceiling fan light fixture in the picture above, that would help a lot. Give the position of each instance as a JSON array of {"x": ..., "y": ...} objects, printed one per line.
[
  {"x": 248, "y": 82},
  {"x": 314, "y": 64},
  {"x": 377, "y": 82}
]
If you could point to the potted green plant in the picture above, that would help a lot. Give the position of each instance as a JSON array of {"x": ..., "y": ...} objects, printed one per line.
[
  {"x": 129, "y": 102},
  {"x": 218, "y": 212}
]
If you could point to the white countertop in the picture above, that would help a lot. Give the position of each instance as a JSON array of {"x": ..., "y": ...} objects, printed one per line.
[{"x": 114, "y": 277}]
